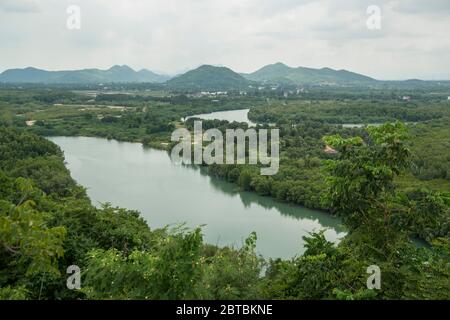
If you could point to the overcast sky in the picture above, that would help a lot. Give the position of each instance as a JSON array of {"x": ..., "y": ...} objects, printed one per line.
[{"x": 175, "y": 35}]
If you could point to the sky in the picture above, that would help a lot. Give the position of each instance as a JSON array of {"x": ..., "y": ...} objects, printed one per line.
[{"x": 173, "y": 36}]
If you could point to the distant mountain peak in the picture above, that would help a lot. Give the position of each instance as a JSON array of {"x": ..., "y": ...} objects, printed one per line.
[
  {"x": 280, "y": 64},
  {"x": 146, "y": 71},
  {"x": 121, "y": 68},
  {"x": 211, "y": 67},
  {"x": 277, "y": 65},
  {"x": 31, "y": 68},
  {"x": 209, "y": 77}
]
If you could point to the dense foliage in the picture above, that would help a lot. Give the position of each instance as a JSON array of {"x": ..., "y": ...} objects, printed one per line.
[
  {"x": 355, "y": 111},
  {"x": 45, "y": 232},
  {"x": 387, "y": 189}
]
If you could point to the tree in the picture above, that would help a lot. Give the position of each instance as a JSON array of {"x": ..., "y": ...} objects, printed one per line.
[
  {"x": 28, "y": 246},
  {"x": 361, "y": 181}
]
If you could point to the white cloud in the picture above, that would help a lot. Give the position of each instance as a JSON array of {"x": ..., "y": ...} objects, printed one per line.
[{"x": 175, "y": 35}]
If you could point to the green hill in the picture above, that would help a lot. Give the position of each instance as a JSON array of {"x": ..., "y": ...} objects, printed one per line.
[
  {"x": 281, "y": 73},
  {"x": 209, "y": 78}
]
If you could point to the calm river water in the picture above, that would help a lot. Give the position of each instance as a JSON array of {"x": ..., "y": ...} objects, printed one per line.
[{"x": 130, "y": 176}]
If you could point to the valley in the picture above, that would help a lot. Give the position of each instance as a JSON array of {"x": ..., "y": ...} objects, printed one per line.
[{"x": 231, "y": 221}]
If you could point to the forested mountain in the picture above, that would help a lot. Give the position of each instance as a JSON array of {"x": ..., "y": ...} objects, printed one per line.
[
  {"x": 209, "y": 77},
  {"x": 281, "y": 73},
  {"x": 114, "y": 74}
]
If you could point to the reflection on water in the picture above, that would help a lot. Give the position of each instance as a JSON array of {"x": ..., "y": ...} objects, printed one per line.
[
  {"x": 286, "y": 209},
  {"x": 129, "y": 176}
]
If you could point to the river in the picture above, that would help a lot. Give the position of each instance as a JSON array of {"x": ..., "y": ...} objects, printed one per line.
[
  {"x": 240, "y": 115},
  {"x": 130, "y": 176}
]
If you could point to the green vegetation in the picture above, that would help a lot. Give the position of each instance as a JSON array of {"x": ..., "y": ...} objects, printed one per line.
[
  {"x": 358, "y": 111},
  {"x": 281, "y": 73},
  {"x": 209, "y": 78},
  {"x": 389, "y": 184},
  {"x": 121, "y": 258},
  {"x": 300, "y": 178},
  {"x": 121, "y": 116}
]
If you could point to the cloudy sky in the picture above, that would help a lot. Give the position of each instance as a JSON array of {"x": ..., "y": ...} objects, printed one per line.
[{"x": 175, "y": 35}]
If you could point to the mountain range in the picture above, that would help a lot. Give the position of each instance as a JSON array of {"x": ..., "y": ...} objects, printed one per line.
[
  {"x": 114, "y": 74},
  {"x": 205, "y": 77},
  {"x": 281, "y": 73}
]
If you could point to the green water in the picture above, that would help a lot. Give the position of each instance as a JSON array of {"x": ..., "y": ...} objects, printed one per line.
[{"x": 127, "y": 175}]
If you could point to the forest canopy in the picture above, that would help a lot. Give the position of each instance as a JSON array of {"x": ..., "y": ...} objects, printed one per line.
[{"x": 43, "y": 232}]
